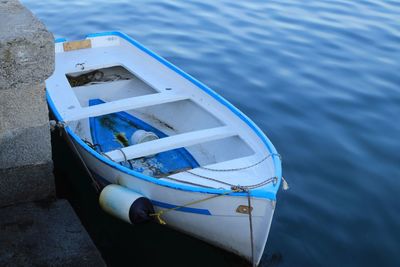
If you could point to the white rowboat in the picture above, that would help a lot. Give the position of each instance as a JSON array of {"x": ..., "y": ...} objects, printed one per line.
[{"x": 150, "y": 133}]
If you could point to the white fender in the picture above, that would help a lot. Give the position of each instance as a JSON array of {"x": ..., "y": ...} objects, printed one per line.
[{"x": 125, "y": 204}]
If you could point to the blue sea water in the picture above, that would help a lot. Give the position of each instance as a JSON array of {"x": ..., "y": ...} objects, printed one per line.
[{"x": 322, "y": 80}]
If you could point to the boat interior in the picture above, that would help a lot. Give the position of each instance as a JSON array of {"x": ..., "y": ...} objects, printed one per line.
[{"x": 185, "y": 132}]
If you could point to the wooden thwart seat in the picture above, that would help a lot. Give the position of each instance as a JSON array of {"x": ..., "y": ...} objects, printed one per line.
[
  {"x": 171, "y": 142},
  {"x": 123, "y": 105}
]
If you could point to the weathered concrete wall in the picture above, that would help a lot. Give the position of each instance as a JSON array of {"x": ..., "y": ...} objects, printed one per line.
[
  {"x": 27, "y": 49},
  {"x": 26, "y": 61}
]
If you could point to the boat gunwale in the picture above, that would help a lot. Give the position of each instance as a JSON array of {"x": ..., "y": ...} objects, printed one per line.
[{"x": 261, "y": 193}]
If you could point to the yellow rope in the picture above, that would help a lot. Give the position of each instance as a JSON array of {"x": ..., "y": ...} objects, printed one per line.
[{"x": 158, "y": 214}]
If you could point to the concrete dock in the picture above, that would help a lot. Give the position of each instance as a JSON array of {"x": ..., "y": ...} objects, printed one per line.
[
  {"x": 36, "y": 228},
  {"x": 44, "y": 233}
]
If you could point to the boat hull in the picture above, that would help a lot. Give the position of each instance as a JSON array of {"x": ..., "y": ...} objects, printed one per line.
[
  {"x": 193, "y": 117},
  {"x": 215, "y": 220}
]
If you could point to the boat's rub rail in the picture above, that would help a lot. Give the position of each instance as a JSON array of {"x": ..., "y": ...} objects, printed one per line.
[{"x": 170, "y": 143}]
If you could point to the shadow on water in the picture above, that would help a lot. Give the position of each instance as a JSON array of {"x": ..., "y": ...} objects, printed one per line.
[{"x": 121, "y": 243}]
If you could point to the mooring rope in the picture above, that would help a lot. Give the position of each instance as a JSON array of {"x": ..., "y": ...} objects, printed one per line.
[
  {"x": 266, "y": 181},
  {"x": 186, "y": 182},
  {"x": 251, "y": 228},
  {"x": 242, "y": 168},
  {"x": 157, "y": 215},
  {"x": 234, "y": 188},
  {"x": 61, "y": 125}
]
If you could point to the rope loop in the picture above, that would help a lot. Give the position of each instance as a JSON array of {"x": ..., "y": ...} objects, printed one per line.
[
  {"x": 57, "y": 125},
  {"x": 125, "y": 158}
]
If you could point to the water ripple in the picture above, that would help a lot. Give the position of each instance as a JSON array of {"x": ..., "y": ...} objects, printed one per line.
[{"x": 321, "y": 78}]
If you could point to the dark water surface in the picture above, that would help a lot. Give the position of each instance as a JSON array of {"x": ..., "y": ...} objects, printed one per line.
[{"x": 321, "y": 78}]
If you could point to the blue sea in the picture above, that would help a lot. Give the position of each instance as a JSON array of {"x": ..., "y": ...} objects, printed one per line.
[{"x": 321, "y": 79}]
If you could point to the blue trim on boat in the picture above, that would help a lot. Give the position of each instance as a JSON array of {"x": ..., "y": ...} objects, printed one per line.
[
  {"x": 158, "y": 203},
  {"x": 183, "y": 209},
  {"x": 60, "y": 40},
  {"x": 247, "y": 120},
  {"x": 261, "y": 192}
]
